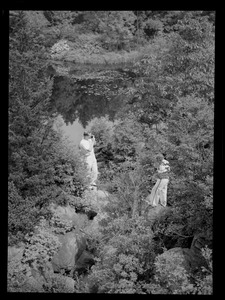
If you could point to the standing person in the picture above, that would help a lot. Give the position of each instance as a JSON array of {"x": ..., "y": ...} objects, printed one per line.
[
  {"x": 159, "y": 191},
  {"x": 87, "y": 149}
]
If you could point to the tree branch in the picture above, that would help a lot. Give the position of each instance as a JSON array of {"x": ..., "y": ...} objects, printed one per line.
[{"x": 184, "y": 236}]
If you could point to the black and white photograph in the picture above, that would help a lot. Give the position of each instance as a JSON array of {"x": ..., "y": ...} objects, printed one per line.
[{"x": 111, "y": 151}]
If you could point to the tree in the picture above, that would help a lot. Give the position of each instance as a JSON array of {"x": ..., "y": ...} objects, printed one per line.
[
  {"x": 177, "y": 64},
  {"x": 41, "y": 168},
  {"x": 29, "y": 92},
  {"x": 190, "y": 59}
]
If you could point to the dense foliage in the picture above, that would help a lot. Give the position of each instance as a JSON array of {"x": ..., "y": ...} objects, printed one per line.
[
  {"x": 143, "y": 83},
  {"x": 42, "y": 166}
]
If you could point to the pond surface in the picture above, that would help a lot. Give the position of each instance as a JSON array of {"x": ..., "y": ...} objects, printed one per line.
[
  {"x": 76, "y": 107},
  {"x": 74, "y": 131}
]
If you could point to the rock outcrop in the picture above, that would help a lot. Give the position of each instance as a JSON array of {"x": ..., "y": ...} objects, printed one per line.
[
  {"x": 85, "y": 261},
  {"x": 192, "y": 258},
  {"x": 99, "y": 200},
  {"x": 189, "y": 261},
  {"x": 72, "y": 255},
  {"x": 15, "y": 252},
  {"x": 154, "y": 213},
  {"x": 199, "y": 241},
  {"x": 73, "y": 244}
]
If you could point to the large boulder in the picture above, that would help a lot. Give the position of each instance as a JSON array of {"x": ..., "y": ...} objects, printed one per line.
[
  {"x": 157, "y": 212},
  {"x": 85, "y": 261},
  {"x": 199, "y": 241},
  {"x": 15, "y": 252},
  {"x": 190, "y": 261},
  {"x": 99, "y": 199},
  {"x": 69, "y": 284},
  {"x": 73, "y": 244},
  {"x": 102, "y": 194}
]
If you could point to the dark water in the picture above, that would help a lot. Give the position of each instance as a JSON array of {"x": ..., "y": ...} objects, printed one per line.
[
  {"x": 73, "y": 104},
  {"x": 77, "y": 107}
]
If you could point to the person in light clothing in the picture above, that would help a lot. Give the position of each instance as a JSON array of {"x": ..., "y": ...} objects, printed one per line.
[
  {"x": 159, "y": 191},
  {"x": 87, "y": 149}
]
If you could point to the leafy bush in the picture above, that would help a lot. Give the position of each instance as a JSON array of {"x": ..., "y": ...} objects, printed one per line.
[
  {"x": 171, "y": 277},
  {"x": 16, "y": 274},
  {"x": 40, "y": 247},
  {"x": 121, "y": 278},
  {"x": 171, "y": 274},
  {"x": 125, "y": 255},
  {"x": 60, "y": 225},
  {"x": 22, "y": 215},
  {"x": 58, "y": 283},
  {"x": 204, "y": 281}
]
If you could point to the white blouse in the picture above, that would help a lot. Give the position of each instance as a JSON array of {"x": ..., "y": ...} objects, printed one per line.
[{"x": 164, "y": 166}]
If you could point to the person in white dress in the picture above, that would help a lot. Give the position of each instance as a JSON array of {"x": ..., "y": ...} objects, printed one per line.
[
  {"x": 87, "y": 149},
  {"x": 159, "y": 191}
]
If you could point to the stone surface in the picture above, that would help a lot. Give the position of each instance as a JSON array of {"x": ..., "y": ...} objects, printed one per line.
[
  {"x": 199, "y": 241},
  {"x": 66, "y": 212},
  {"x": 73, "y": 244},
  {"x": 98, "y": 200},
  {"x": 15, "y": 252},
  {"x": 102, "y": 194},
  {"x": 157, "y": 212},
  {"x": 85, "y": 261},
  {"x": 191, "y": 262},
  {"x": 33, "y": 285},
  {"x": 69, "y": 284}
]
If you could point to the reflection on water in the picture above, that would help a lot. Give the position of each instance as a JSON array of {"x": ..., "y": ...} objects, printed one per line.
[
  {"x": 73, "y": 131},
  {"x": 70, "y": 99},
  {"x": 72, "y": 102}
]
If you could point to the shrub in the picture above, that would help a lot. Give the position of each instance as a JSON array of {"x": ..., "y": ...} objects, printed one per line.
[
  {"x": 204, "y": 281},
  {"x": 59, "y": 49},
  {"x": 171, "y": 273},
  {"x": 22, "y": 215},
  {"x": 60, "y": 225},
  {"x": 40, "y": 247},
  {"x": 16, "y": 274},
  {"x": 171, "y": 277},
  {"x": 125, "y": 256},
  {"x": 58, "y": 283}
]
